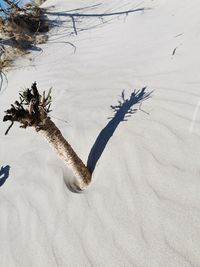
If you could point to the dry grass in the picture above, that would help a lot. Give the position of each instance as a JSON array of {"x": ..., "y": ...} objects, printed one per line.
[{"x": 20, "y": 29}]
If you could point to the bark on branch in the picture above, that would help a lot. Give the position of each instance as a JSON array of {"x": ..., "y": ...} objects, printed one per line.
[{"x": 32, "y": 111}]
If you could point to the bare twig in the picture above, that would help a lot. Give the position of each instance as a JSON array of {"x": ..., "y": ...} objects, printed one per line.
[
  {"x": 9, "y": 128},
  {"x": 140, "y": 108}
]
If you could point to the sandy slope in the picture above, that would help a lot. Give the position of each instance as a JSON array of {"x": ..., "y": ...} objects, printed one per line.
[{"x": 142, "y": 208}]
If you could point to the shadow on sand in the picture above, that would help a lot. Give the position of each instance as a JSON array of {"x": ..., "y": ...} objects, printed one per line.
[
  {"x": 77, "y": 15},
  {"x": 122, "y": 111},
  {"x": 4, "y": 174}
]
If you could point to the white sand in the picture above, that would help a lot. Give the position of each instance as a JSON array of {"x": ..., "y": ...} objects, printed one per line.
[{"x": 143, "y": 206}]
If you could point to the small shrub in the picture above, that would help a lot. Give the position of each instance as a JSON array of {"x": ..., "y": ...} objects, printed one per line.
[{"x": 21, "y": 28}]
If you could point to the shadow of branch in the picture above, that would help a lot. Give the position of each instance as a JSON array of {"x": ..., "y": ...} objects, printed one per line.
[
  {"x": 122, "y": 111},
  {"x": 76, "y": 14},
  {"x": 4, "y": 174}
]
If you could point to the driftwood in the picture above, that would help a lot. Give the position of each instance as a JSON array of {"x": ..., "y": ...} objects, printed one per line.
[{"x": 32, "y": 111}]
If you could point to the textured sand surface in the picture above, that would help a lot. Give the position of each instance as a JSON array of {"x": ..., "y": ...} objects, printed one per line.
[{"x": 143, "y": 206}]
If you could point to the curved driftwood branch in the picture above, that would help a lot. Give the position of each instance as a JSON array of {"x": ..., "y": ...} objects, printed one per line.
[{"x": 32, "y": 111}]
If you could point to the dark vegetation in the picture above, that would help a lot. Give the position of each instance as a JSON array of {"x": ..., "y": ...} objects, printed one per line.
[
  {"x": 31, "y": 109},
  {"x": 20, "y": 29}
]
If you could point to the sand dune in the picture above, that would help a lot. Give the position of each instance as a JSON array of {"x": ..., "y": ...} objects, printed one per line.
[{"x": 142, "y": 208}]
